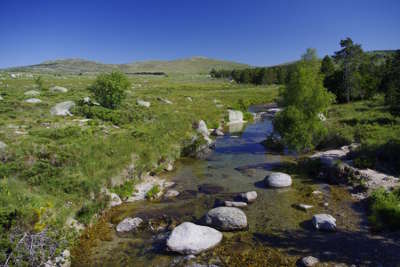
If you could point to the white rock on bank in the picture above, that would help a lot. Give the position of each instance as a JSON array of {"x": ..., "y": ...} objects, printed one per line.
[
  {"x": 62, "y": 109},
  {"x": 3, "y": 146},
  {"x": 1, "y": 98},
  {"x": 189, "y": 238},
  {"x": 143, "y": 103},
  {"x": 237, "y": 204},
  {"x": 115, "y": 200},
  {"x": 278, "y": 179},
  {"x": 129, "y": 224},
  {"x": 33, "y": 100},
  {"x": 32, "y": 93},
  {"x": 226, "y": 218},
  {"x": 249, "y": 197},
  {"x": 58, "y": 89},
  {"x": 235, "y": 116},
  {"x": 324, "y": 222},
  {"x": 202, "y": 128},
  {"x": 304, "y": 207},
  {"x": 171, "y": 193}
]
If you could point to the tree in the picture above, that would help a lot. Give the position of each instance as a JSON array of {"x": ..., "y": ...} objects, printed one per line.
[
  {"x": 109, "y": 89},
  {"x": 391, "y": 82},
  {"x": 304, "y": 98},
  {"x": 349, "y": 57},
  {"x": 310, "y": 55},
  {"x": 327, "y": 66}
]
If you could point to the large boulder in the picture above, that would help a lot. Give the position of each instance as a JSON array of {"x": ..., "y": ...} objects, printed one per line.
[
  {"x": 62, "y": 109},
  {"x": 235, "y": 116},
  {"x": 278, "y": 179},
  {"x": 324, "y": 222},
  {"x": 226, "y": 218},
  {"x": 33, "y": 100},
  {"x": 129, "y": 224},
  {"x": 58, "y": 89},
  {"x": 189, "y": 238},
  {"x": 249, "y": 197}
]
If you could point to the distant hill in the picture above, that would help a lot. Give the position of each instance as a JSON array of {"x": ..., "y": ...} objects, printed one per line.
[{"x": 192, "y": 65}]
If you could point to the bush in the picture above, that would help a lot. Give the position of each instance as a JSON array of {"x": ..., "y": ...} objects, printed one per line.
[
  {"x": 153, "y": 192},
  {"x": 109, "y": 89},
  {"x": 385, "y": 209}
]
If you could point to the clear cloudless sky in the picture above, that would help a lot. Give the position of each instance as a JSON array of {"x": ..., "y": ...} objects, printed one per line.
[{"x": 255, "y": 32}]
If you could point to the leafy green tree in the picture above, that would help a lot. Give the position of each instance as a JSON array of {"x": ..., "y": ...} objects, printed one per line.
[
  {"x": 109, "y": 89},
  {"x": 350, "y": 57},
  {"x": 327, "y": 66},
  {"x": 310, "y": 55},
  {"x": 304, "y": 98},
  {"x": 391, "y": 82}
]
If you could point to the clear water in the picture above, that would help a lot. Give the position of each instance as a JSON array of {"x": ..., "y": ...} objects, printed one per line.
[{"x": 278, "y": 233}]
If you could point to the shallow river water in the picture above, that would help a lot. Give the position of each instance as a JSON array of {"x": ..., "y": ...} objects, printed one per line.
[{"x": 278, "y": 233}]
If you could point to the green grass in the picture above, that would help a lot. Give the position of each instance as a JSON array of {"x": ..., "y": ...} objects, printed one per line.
[
  {"x": 153, "y": 192},
  {"x": 385, "y": 209},
  {"x": 371, "y": 124},
  {"x": 62, "y": 164}
]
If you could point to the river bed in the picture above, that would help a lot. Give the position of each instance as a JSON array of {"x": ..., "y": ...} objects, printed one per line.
[{"x": 278, "y": 233}]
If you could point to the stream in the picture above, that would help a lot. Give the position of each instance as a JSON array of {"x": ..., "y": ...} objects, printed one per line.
[{"x": 278, "y": 233}]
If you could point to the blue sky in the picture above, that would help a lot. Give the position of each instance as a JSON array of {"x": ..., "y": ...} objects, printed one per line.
[{"x": 254, "y": 32}]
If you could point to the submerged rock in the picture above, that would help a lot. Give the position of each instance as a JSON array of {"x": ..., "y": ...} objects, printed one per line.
[
  {"x": 62, "y": 109},
  {"x": 309, "y": 261},
  {"x": 237, "y": 204},
  {"x": 33, "y": 100},
  {"x": 143, "y": 103},
  {"x": 58, "y": 89},
  {"x": 226, "y": 218},
  {"x": 249, "y": 197},
  {"x": 189, "y": 238},
  {"x": 129, "y": 224},
  {"x": 210, "y": 189},
  {"x": 278, "y": 179},
  {"x": 324, "y": 222}
]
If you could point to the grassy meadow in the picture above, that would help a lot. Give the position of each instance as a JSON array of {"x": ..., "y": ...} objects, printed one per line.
[{"x": 54, "y": 167}]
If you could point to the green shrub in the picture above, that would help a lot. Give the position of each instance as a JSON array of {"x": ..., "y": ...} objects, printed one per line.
[
  {"x": 153, "y": 192},
  {"x": 385, "y": 209},
  {"x": 85, "y": 214},
  {"x": 125, "y": 190},
  {"x": 109, "y": 89}
]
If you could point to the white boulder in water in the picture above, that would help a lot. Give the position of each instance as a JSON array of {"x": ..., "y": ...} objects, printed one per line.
[
  {"x": 58, "y": 89},
  {"x": 226, "y": 218},
  {"x": 278, "y": 179},
  {"x": 189, "y": 238},
  {"x": 324, "y": 222},
  {"x": 62, "y": 109},
  {"x": 33, "y": 100},
  {"x": 129, "y": 224},
  {"x": 202, "y": 128},
  {"x": 235, "y": 116}
]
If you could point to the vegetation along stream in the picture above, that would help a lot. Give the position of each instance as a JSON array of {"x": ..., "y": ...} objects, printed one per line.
[{"x": 278, "y": 233}]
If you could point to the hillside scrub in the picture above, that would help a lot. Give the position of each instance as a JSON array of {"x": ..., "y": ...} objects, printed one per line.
[{"x": 63, "y": 163}]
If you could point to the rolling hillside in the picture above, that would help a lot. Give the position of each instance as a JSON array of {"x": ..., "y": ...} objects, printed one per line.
[{"x": 192, "y": 65}]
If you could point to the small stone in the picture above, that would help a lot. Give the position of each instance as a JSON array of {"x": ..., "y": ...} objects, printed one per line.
[
  {"x": 115, "y": 200},
  {"x": 58, "y": 89},
  {"x": 171, "y": 193},
  {"x": 304, "y": 207},
  {"x": 143, "y": 103},
  {"x": 33, "y": 100},
  {"x": 169, "y": 167},
  {"x": 237, "y": 204},
  {"x": 326, "y": 204},
  {"x": 278, "y": 179},
  {"x": 129, "y": 224},
  {"x": 32, "y": 93},
  {"x": 309, "y": 261},
  {"x": 249, "y": 197},
  {"x": 324, "y": 222},
  {"x": 3, "y": 146},
  {"x": 217, "y": 132},
  {"x": 62, "y": 109}
]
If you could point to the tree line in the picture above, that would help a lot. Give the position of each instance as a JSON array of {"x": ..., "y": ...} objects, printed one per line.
[{"x": 350, "y": 73}]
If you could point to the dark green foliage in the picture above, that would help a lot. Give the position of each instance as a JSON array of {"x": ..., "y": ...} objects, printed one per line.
[
  {"x": 327, "y": 66},
  {"x": 117, "y": 117},
  {"x": 39, "y": 82},
  {"x": 125, "y": 190},
  {"x": 109, "y": 89},
  {"x": 385, "y": 209},
  {"x": 391, "y": 82},
  {"x": 85, "y": 214}
]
